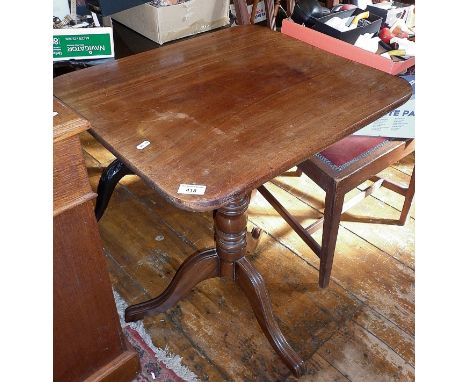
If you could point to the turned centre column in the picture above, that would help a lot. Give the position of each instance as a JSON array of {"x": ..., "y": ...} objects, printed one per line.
[{"x": 231, "y": 234}]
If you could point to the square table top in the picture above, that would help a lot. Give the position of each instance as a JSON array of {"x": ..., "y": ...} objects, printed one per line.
[{"x": 229, "y": 110}]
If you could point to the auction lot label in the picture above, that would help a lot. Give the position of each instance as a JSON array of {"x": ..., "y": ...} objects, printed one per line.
[{"x": 84, "y": 43}]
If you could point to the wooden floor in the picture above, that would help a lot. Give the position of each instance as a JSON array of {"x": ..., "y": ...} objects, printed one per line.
[{"x": 361, "y": 328}]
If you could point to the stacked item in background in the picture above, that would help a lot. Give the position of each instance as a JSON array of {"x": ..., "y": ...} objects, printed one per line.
[
  {"x": 260, "y": 12},
  {"x": 381, "y": 35},
  {"x": 386, "y": 27},
  {"x": 395, "y": 40},
  {"x": 79, "y": 35},
  {"x": 167, "y": 20}
]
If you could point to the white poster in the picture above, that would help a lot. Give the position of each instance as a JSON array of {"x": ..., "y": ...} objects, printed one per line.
[{"x": 399, "y": 123}]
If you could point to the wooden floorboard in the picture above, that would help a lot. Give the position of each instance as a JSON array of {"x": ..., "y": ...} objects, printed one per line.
[
  {"x": 370, "y": 274},
  {"x": 406, "y": 164},
  {"x": 361, "y": 328}
]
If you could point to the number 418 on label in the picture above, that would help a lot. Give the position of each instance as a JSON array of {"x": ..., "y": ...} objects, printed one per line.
[{"x": 191, "y": 189}]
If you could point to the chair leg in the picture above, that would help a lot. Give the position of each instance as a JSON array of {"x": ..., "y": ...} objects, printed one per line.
[
  {"x": 270, "y": 13},
  {"x": 408, "y": 200},
  {"x": 333, "y": 207},
  {"x": 242, "y": 13},
  {"x": 290, "y": 7}
]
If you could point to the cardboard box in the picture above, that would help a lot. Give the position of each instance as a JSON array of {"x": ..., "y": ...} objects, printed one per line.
[
  {"x": 82, "y": 43},
  {"x": 352, "y": 35},
  {"x": 163, "y": 24},
  {"x": 399, "y": 123},
  {"x": 343, "y": 49}
]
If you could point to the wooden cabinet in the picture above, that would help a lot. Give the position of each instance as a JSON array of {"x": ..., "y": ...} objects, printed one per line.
[{"x": 88, "y": 341}]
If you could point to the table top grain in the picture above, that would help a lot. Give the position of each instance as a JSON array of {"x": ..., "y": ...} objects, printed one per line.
[{"x": 229, "y": 110}]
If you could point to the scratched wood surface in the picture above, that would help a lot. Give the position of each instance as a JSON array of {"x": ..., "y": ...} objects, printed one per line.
[
  {"x": 217, "y": 109},
  {"x": 359, "y": 329}
]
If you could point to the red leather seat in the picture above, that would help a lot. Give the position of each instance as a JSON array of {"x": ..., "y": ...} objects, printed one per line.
[{"x": 349, "y": 150}]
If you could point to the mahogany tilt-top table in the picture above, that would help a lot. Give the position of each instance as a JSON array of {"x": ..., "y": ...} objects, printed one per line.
[{"x": 227, "y": 111}]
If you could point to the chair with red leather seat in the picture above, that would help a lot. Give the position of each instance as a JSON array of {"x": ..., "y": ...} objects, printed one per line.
[{"x": 337, "y": 170}]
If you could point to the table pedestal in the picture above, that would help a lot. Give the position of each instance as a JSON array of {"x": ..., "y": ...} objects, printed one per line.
[{"x": 226, "y": 260}]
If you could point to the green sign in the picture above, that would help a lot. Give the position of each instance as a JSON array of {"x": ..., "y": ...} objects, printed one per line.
[{"x": 81, "y": 45}]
